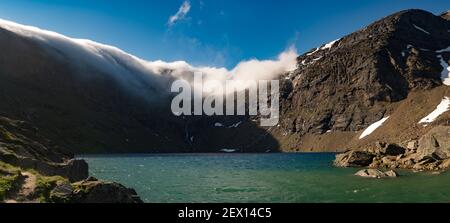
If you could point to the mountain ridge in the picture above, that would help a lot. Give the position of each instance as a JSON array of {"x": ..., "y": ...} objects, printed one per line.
[
  {"x": 364, "y": 74},
  {"x": 340, "y": 87},
  {"x": 370, "y": 89}
]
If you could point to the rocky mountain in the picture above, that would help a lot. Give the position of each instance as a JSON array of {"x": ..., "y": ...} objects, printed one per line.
[
  {"x": 77, "y": 92},
  {"x": 381, "y": 88},
  {"x": 72, "y": 92},
  {"x": 396, "y": 67},
  {"x": 89, "y": 97},
  {"x": 394, "y": 70}
]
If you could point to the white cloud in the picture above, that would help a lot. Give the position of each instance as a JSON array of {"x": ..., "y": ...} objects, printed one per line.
[
  {"x": 181, "y": 14},
  {"x": 138, "y": 74}
]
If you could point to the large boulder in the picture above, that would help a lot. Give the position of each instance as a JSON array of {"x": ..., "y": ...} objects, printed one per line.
[
  {"x": 375, "y": 173},
  {"x": 354, "y": 159},
  {"x": 434, "y": 145},
  {"x": 92, "y": 190},
  {"x": 61, "y": 193},
  {"x": 75, "y": 170}
]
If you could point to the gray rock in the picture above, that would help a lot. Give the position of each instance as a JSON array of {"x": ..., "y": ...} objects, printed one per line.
[
  {"x": 61, "y": 193},
  {"x": 375, "y": 173},
  {"x": 354, "y": 159},
  {"x": 411, "y": 145},
  {"x": 370, "y": 173},
  {"x": 95, "y": 191},
  {"x": 391, "y": 173},
  {"x": 435, "y": 144},
  {"x": 445, "y": 164},
  {"x": 75, "y": 170},
  {"x": 388, "y": 160}
]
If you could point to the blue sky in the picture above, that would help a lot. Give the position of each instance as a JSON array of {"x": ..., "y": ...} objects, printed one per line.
[{"x": 207, "y": 32}]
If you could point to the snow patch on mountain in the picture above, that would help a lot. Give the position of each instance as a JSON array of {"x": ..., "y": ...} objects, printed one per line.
[
  {"x": 440, "y": 109},
  {"x": 421, "y": 29},
  {"x": 443, "y": 50},
  {"x": 329, "y": 45},
  {"x": 313, "y": 52},
  {"x": 228, "y": 150},
  {"x": 324, "y": 47},
  {"x": 445, "y": 74},
  {"x": 372, "y": 127}
]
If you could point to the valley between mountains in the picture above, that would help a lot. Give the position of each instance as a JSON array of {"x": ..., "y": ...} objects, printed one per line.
[{"x": 381, "y": 93}]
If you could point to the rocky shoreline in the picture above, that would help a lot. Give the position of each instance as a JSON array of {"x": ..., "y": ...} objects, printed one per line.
[
  {"x": 32, "y": 170},
  {"x": 429, "y": 153}
]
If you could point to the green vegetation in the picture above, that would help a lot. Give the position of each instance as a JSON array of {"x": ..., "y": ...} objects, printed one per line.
[
  {"x": 44, "y": 189},
  {"x": 9, "y": 179},
  {"x": 6, "y": 135}
]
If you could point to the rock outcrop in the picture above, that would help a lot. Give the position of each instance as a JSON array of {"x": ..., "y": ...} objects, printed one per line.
[
  {"x": 341, "y": 88},
  {"x": 375, "y": 173},
  {"x": 61, "y": 178},
  {"x": 435, "y": 144},
  {"x": 347, "y": 82},
  {"x": 21, "y": 145},
  {"x": 92, "y": 190},
  {"x": 354, "y": 159},
  {"x": 430, "y": 153}
]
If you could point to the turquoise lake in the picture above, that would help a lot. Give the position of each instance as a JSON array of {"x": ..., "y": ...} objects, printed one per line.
[{"x": 280, "y": 177}]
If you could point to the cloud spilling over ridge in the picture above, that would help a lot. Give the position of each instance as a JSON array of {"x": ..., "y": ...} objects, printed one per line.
[
  {"x": 136, "y": 73},
  {"x": 181, "y": 13}
]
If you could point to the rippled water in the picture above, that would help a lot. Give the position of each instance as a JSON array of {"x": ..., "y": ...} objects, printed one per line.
[{"x": 300, "y": 177}]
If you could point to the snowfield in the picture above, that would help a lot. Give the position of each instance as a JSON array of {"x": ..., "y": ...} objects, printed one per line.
[
  {"x": 372, "y": 127},
  {"x": 329, "y": 45},
  {"x": 444, "y": 50},
  {"x": 228, "y": 150},
  {"x": 421, "y": 29},
  {"x": 440, "y": 109},
  {"x": 324, "y": 47},
  {"x": 445, "y": 74}
]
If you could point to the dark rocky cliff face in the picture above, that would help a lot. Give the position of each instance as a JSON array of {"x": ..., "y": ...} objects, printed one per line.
[
  {"x": 81, "y": 110},
  {"x": 85, "y": 110},
  {"x": 356, "y": 81},
  {"x": 350, "y": 85}
]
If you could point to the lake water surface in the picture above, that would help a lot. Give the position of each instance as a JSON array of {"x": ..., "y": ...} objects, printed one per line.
[{"x": 285, "y": 177}]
